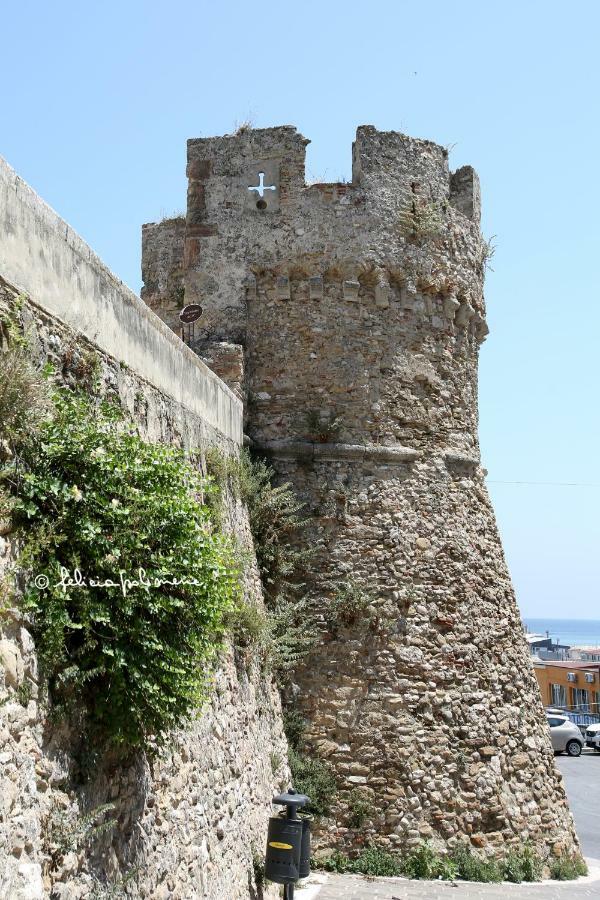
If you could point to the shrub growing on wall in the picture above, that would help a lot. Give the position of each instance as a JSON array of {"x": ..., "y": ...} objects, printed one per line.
[
  {"x": 137, "y": 645},
  {"x": 275, "y": 518},
  {"x": 288, "y": 630}
]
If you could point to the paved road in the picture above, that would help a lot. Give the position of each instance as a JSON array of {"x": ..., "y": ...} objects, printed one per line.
[
  {"x": 582, "y": 781},
  {"x": 352, "y": 887}
]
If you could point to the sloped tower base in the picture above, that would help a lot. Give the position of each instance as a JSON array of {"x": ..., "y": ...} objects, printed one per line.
[{"x": 422, "y": 696}]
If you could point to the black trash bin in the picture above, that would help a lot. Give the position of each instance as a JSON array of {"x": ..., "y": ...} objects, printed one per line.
[{"x": 288, "y": 843}]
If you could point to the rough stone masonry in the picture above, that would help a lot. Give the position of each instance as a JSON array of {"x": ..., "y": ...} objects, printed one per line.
[{"x": 349, "y": 317}]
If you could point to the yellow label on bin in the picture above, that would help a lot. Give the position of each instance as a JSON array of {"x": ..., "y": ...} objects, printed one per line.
[{"x": 279, "y": 846}]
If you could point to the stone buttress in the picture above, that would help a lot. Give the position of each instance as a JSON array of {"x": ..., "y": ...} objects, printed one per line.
[{"x": 350, "y": 317}]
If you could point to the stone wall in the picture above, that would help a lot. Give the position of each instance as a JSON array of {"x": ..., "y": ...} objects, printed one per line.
[
  {"x": 41, "y": 255},
  {"x": 359, "y": 309},
  {"x": 162, "y": 272},
  {"x": 189, "y": 820}
]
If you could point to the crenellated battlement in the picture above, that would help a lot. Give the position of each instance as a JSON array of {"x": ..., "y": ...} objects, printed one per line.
[
  {"x": 381, "y": 162},
  {"x": 404, "y": 215}
]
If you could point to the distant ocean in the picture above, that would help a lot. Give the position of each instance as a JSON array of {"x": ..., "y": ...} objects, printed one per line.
[{"x": 573, "y": 632}]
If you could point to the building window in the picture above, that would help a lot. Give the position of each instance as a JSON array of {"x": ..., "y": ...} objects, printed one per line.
[
  {"x": 581, "y": 699},
  {"x": 558, "y": 695}
]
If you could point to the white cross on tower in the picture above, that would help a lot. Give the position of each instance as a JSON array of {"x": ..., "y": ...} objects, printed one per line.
[{"x": 261, "y": 187}]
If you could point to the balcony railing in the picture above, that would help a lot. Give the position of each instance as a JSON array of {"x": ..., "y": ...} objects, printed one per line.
[{"x": 582, "y": 715}]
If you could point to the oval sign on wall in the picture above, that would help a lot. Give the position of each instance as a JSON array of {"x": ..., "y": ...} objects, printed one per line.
[{"x": 190, "y": 313}]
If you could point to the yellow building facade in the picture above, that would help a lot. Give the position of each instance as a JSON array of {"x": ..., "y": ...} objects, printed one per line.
[{"x": 572, "y": 685}]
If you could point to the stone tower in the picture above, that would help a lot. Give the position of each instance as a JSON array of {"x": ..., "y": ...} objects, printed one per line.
[{"x": 350, "y": 318}]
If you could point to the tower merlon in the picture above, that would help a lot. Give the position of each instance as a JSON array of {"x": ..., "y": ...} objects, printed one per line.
[{"x": 465, "y": 193}]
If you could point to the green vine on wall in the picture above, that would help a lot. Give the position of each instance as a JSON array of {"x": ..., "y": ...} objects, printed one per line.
[
  {"x": 285, "y": 630},
  {"x": 274, "y": 513},
  {"x": 90, "y": 496}
]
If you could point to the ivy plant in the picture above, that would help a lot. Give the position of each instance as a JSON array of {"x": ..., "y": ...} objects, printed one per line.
[{"x": 126, "y": 580}]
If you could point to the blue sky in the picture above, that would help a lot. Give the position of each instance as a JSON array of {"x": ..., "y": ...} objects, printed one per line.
[{"x": 97, "y": 101}]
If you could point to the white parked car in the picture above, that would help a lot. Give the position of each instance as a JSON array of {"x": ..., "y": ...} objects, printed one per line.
[
  {"x": 592, "y": 737},
  {"x": 565, "y": 735}
]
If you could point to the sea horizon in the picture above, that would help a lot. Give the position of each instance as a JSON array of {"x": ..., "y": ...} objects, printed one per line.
[{"x": 573, "y": 632}]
